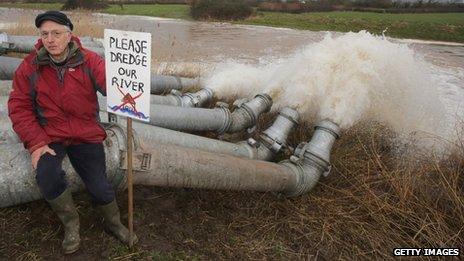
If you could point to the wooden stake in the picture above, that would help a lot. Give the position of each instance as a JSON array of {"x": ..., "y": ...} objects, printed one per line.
[{"x": 130, "y": 204}]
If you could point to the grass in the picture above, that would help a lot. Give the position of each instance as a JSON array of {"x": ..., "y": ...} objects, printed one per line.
[
  {"x": 166, "y": 11},
  {"x": 430, "y": 26}
]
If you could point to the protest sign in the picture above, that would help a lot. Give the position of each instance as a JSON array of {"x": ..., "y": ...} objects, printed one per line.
[{"x": 128, "y": 61}]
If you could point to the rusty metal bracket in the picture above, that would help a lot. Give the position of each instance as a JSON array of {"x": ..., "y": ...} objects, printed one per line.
[{"x": 141, "y": 161}]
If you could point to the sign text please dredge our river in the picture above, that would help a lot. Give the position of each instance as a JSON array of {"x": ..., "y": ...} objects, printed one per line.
[{"x": 128, "y": 62}]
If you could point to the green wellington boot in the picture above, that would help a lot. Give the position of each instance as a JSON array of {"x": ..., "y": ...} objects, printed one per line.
[
  {"x": 112, "y": 218},
  {"x": 64, "y": 207}
]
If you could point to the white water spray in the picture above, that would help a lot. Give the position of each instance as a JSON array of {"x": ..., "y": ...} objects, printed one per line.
[{"x": 346, "y": 79}]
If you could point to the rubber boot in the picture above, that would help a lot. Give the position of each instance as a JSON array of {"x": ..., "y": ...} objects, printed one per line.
[
  {"x": 64, "y": 207},
  {"x": 110, "y": 213}
]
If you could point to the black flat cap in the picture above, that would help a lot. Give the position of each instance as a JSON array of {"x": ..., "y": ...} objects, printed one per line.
[{"x": 55, "y": 16}]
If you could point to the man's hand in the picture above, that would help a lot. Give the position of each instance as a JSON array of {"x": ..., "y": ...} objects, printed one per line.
[{"x": 35, "y": 156}]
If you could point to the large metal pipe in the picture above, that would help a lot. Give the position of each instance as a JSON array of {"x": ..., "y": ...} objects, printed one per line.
[
  {"x": 175, "y": 166},
  {"x": 5, "y": 87},
  {"x": 25, "y": 43},
  {"x": 17, "y": 178},
  {"x": 176, "y": 98},
  {"x": 180, "y": 167},
  {"x": 159, "y": 83},
  {"x": 163, "y": 83},
  {"x": 8, "y": 67},
  {"x": 220, "y": 120},
  {"x": 268, "y": 144}
]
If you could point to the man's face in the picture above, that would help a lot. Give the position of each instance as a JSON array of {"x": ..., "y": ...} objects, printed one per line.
[{"x": 55, "y": 38}]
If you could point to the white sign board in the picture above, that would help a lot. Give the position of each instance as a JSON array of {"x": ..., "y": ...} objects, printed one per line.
[{"x": 128, "y": 61}]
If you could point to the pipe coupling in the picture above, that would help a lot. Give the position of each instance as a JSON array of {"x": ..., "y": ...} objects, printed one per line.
[
  {"x": 247, "y": 113},
  {"x": 197, "y": 99},
  {"x": 115, "y": 144},
  {"x": 276, "y": 136},
  {"x": 227, "y": 119},
  {"x": 317, "y": 151}
]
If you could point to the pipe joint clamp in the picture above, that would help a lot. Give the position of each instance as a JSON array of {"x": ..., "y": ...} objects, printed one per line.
[{"x": 304, "y": 154}]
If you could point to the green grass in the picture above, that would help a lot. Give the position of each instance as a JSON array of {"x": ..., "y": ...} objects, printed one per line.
[
  {"x": 167, "y": 11},
  {"x": 430, "y": 26}
]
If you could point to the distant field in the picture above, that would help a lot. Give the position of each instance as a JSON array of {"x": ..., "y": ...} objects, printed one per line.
[{"x": 431, "y": 26}]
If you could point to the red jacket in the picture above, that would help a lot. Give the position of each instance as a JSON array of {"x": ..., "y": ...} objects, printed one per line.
[{"x": 58, "y": 104}]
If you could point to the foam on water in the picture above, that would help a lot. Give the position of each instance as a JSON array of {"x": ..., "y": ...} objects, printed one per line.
[{"x": 348, "y": 78}]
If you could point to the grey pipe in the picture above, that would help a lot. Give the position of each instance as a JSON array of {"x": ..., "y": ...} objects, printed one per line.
[
  {"x": 265, "y": 148},
  {"x": 181, "y": 167},
  {"x": 17, "y": 179},
  {"x": 176, "y": 98},
  {"x": 25, "y": 44},
  {"x": 5, "y": 87},
  {"x": 162, "y": 83},
  {"x": 8, "y": 66},
  {"x": 159, "y": 83},
  {"x": 220, "y": 120}
]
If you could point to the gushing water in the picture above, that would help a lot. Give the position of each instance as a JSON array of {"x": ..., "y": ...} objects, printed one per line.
[{"x": 346, "y": 79}]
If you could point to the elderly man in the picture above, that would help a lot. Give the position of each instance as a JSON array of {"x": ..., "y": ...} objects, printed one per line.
[{"x": 54, "y": 110}]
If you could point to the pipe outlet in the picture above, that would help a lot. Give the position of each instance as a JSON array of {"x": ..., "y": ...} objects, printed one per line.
[
  {"x": 272, "y": 140},
  {"x": 196, "y": 99},
  {"x": 276, "y": 136},
  {"x": 247, "y": 113},
  {"x": 312, "y": 159}
]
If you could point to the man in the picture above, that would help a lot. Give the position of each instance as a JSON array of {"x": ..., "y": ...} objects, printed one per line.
[{"x": 54, "y": 110}]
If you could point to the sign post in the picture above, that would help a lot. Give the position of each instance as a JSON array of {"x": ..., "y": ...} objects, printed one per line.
[{"x": 128, "y": 62}]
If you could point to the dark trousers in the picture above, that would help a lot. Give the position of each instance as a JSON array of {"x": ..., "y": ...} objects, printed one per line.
[{"x": 88, "y": 159}]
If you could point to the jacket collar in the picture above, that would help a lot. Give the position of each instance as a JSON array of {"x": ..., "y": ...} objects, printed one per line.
[{"x": 75, "y": 56}]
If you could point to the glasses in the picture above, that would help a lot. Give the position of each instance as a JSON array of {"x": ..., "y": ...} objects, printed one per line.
[{"x": 55, "y": 34}]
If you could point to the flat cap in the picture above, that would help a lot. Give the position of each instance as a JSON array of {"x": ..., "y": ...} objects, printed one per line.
[{"x": 55, "y": 16}]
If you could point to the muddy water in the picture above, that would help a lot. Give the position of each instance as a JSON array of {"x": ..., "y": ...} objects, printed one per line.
[{"x": 185, "y": 41}]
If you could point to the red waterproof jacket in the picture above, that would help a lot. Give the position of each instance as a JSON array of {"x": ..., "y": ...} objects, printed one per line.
[{"x": 58, "y": 104}]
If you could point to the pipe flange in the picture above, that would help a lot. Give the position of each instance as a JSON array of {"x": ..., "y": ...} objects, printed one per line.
[
  {"x": 303, "y": 152},
  {"x": 250, "y": 113},
  {"x": 290, "y": 114},
  {"x": 267, "y": 100},
  {"x": 191, "y": 99},
  {"x": 115, "y": 131},
  {"x": 239, "y": 103},
  {"x": 273, "y": 144},
  {"x": 220, "y": 104},
  {"x": 254, "y": 105},
  {"x": 329, "y": 126},
  {"x": 227, "y": 121}
]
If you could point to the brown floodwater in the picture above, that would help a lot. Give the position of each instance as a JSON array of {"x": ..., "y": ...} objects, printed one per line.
[{"x": 205, "y": 42}]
